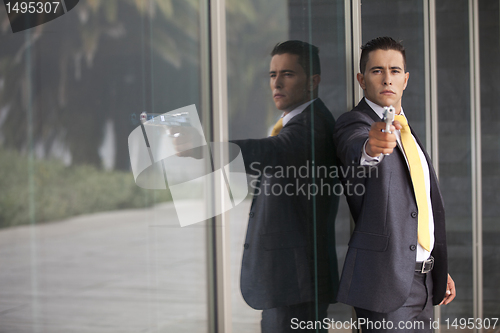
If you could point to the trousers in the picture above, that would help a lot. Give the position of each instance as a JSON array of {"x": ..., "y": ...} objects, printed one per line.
[
  {"x": 415, "y": 316},
  {"x": 294, "y": 318}
]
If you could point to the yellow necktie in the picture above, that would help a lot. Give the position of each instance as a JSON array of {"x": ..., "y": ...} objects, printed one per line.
[
  {"x": 417, "y": 178},
  {"x": 277, "y": 127}
]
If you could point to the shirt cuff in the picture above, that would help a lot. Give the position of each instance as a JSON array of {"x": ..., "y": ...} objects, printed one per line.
[{"x": 367, "y": 159}]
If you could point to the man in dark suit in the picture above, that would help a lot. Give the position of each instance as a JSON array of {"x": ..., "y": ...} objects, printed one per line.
[
  {"x": 289, "y": 267},
  {"x": 396, "y": 265}
]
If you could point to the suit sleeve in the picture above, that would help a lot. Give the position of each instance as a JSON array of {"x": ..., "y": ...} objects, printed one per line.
[
  {"x": 277, "y": 150},
  {"x": 350, "y": 134}
]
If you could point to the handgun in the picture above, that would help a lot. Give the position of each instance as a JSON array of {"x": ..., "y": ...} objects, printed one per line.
[
  {"x": 388, "y": 117},
  {"x": 168, "y": 120}
]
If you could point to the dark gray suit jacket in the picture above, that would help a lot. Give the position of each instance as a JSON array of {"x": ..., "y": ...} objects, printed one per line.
[
  {"x": 380, "y": 262},
  {"x": 289, "y": 253}
]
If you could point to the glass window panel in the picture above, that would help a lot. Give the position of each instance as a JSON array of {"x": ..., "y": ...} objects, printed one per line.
[
  {"x": 489, "y": 35},
  {"x": 324, "y": 23},
  {"x": 403, "y": 21},
  {"x": 83, "y": 248},
  {"x": 452, "y": 29},
  {"x": 252, "y": 112}
]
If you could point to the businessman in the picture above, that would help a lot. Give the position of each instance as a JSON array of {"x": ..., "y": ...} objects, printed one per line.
[
  {"x": 396, "y": 265},
  {"x": 289, "y": 267}
]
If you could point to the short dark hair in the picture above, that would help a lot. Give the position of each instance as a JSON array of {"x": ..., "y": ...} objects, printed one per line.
[
  {"x": 380, "y": 43},
  {"x": 308, "y": 54}
]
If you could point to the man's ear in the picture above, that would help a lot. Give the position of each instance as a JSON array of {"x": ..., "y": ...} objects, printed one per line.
[
  {"x": 361, "y": 79},
  {"x": 407, "y": 76},
  {"x": 316, "y": 80}
]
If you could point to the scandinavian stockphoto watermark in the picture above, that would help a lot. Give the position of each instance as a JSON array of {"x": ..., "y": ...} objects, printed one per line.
[
  {"x": 364, "y": 323},
  {"x": 25, "y": 14},
  {"x": 319, "y": 179},
  {"x": 360, "y": 323},
  {"x": 208, "y": 179}
]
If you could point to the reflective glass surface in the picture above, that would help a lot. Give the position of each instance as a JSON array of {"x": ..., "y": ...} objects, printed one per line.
[
  {"x": 403, "y": 21},
  {"x": 83, "y": 247},
  {"x": 454, "y": 116},
  {"x": 252, "y": 112},
  {"x": 489, "y": 35}
]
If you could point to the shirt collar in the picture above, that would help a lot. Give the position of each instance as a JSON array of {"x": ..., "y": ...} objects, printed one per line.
[
  {"x": 380, "y": 110},
  {"x": 299, "y": 109}
]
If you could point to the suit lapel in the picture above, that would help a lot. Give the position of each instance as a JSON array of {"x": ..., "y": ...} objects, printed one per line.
[
  {"x": 364, "y": 107},
  {"x": 369, "y": 111},
  {"x": 436, "y": 198}
]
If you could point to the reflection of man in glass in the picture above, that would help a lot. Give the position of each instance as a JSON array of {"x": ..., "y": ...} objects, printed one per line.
[
  {"x": 396, "y": 266},
  {"x": 289, "y": 267}
]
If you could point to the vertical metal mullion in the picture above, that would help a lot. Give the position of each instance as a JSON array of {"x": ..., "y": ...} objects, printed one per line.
[
  {"x": 431, "y": 95},
  {"x": 427, "y": 79},
  {"x": 357, "y": 41},
  {"x": 475, "y": 107},
  {"x": 215, "y": 126},
  {"x": 206, "y": 117},
  {"x": 349, "y": 66},
  {"x": 353, "y": 40},
  {"x": 220, "y": 134},
  {"x": 434, "y": 86},
  {"x": 352, "y": 9}
]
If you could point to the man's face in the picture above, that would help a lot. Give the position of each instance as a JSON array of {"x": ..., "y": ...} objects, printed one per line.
[
  {"x": 384, "y": 79},
  {"x": 289, "y": 82}
]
